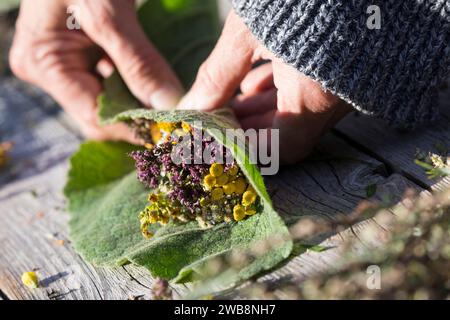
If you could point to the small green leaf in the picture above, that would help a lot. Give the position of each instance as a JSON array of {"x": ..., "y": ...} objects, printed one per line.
[
  {"x": 300, "y": 248},
  {"x": 433, "y": 172},
  {"x": 371, "y": 190}
]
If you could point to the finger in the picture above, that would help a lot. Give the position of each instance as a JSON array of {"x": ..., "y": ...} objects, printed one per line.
[
  {"x": 258, "y": 121},
  {"x": 245, "y": 106},
  {"x": 258, "y": 80},
  {"x": 105, "y": 67},
  {"x": 221, "y": 74},
  {"x": 145, "y": 71},
  {"x": 77, "y": 93},
  {"x": 305, "y": 112}
]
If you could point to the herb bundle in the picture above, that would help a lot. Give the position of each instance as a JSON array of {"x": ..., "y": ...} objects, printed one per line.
[
  {"x": 191, "y": 213},
  {"x": 208, "y": 191}
]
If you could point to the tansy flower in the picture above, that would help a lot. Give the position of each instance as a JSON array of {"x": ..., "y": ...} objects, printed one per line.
[
  {"x": 229, "y": 189},
  {"x": 233, "y": 171},
  {"x": 156, "y": 134},
  {"x": 209, "y": 181},
  {"x": 186, "y": 127},
  {"x": 30, "y": 279},
  {"x": 222, "y": 180},
  {"x": 240, "y": 186},
  {"x": 167, "y": 127},
  {"x": 249, "y": 211},
  {"x": 216, "y": 170},
  {"x": 238, "y": 212},
  {"x": 248, "y": 198},
  {"x": 217, "y": 194},
  {"x": 250, "y": 188}
]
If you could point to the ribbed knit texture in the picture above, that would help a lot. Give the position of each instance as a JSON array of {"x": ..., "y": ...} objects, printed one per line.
[{"x": 392, "y": 73}]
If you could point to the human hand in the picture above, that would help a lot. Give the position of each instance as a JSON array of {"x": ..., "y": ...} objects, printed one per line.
[
  {"x": 70, "y": 64},
  {"x": 274, "y": 95}
]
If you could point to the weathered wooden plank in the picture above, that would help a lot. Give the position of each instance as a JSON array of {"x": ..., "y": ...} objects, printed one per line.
[
  {"x": 330, "y": 184},
  {"x": 362, "y": 236},
  {"x": 35, "y": 220},
  {"x": 40, "y": 141},
  {"x": 311, "y": 263},
  {"x": 398, "y": 149},
  {"x": 33, "y": 235}
]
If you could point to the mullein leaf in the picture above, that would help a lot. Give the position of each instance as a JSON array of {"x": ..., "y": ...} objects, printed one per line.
[
  {"x": 104, "y": 210},
  {"x": 105, "y": 196}
]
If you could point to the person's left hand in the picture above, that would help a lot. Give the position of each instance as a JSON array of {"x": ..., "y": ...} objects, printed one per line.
[{"x": 274, "y": 95}]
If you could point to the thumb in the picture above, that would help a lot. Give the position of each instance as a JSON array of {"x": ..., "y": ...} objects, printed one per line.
[
  {"x": 113, "y": 25},
  {"x": 221, "y": 74}
]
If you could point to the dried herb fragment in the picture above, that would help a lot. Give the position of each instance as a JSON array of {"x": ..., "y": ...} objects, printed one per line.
[
  {"x": 5, "y": 148},
  {"x": 161, "y": 290},
  {"x": 30, "y": 279}
]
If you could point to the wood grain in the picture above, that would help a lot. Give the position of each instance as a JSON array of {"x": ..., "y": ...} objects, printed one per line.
[
  {"x": 329, "y": 185},
  {"x": 398, "y": 149},
  {"x": 33, "y": 232},
  {"x": 33, "y": 236},
  {"x": 35, "y": 222},
  {"x": 28, "y": 120}
]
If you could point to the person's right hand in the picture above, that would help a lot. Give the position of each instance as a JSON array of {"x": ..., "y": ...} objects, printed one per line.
[
  {"x": 274, "y": 95},
  {"x": 70, "y": 64}
]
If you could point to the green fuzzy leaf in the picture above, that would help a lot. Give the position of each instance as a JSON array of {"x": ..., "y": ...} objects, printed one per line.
[
  {"x": 105, "y": 226},
  {"x": 184, "y": 31},
  {"x": 215, "y": 124},
  {"x": 105, "y": 196}
]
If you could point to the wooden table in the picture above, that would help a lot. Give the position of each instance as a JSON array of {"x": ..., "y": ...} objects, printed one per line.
[{"x": 359, "y": 153}]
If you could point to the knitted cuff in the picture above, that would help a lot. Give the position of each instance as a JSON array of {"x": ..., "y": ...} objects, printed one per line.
[{"x": 392, "y": 73}]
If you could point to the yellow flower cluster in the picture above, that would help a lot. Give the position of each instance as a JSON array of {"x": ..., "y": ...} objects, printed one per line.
[
  {"x": 161, "y": 130},
  {"x": 160, "y": 210},
  {"x": 221, "y": 184}
]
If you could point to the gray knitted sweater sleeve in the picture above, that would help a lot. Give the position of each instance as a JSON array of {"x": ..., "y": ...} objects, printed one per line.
[{"x": 392, "y": 73}]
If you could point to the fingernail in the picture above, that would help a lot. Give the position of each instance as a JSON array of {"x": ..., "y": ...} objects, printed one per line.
[
  {"x": 186, "y": 103},
  {"x": 166, "y": 98}
]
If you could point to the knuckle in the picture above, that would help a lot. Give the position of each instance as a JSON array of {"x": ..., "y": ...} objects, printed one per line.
[
  {"x": 145, "y": 71},
  {"x": 208, "y": 79},
  {"x": 17, "y": 62},
  {"x": 98, "y": 18},
  {"x": 104, "y": 21}
]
